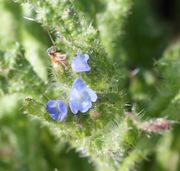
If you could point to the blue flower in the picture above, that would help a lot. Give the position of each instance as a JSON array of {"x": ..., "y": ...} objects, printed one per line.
[
  {"x": 81, "y": 97},
  {"x": 57, "y": 109},
  {"x": 79, "y": 63}
]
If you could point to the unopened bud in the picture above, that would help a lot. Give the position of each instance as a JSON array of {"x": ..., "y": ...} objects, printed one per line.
[{"x": 157, "y": 125}]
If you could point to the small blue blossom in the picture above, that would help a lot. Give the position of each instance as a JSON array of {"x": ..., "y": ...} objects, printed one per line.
[
  {"x": 57, "y": 109},
  {"x": 81, "y": 97},
  {"x": 79, "y": 63}
]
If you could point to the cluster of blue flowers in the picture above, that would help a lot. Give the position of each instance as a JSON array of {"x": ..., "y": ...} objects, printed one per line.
[{"x": 81, "y": 96}]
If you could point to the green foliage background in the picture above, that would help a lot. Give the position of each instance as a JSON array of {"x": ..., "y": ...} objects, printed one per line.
[{"x": 121, "y": 37}]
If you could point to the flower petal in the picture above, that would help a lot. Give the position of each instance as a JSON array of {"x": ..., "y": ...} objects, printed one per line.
[
  {"x": 52, "y": 108},
  {"x": 86, "y": 56},
  {"x": 63, "y": 116},
  {"x": 85, "y": 106},
  {"x": 79, "y": 84},
  {"x": 73, "y": 106},
  {"x": 62, "y": 109},
  {"x": 78, "y": 53},
  {"x": 92, "y": 94},
  {"x": 79, "y": 63},
  {"x": 57, "y": 109},
  {"x": 85, "y": 102}
]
